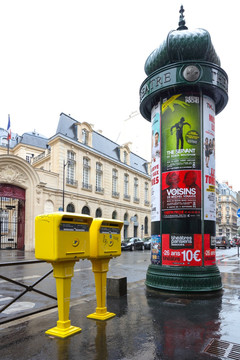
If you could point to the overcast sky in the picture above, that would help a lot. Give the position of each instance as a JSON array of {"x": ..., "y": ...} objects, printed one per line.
[{"x": 86, "y": 58}]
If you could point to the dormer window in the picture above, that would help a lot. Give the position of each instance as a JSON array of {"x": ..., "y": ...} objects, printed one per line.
[
  {"x": 84, "y": 136},
  {"x": 125, "y": 153},
  {"x": 125, "y": 157}
]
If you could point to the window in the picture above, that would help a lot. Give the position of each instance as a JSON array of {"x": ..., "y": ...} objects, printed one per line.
[
  {"x": 86, "y": 173},
  {"x": 114, "y": 215},
  {"x": 71, "y": 168},
  {"x": 135, "y": 190},
  {"x": 71, "y": 208},
  {"x": 126, "y": 184},
  {"x": 146, "y": 201},
  {"x": 29, "y": 157},
  {"x": 115, "y": 183},
  {"x": 85, "y": 210},
  {"x": 98, "y": 213},
  {"x": 125, "y": 157},
  {"x": 84, "y": 136},
  {"x": 99, "y": 175}
]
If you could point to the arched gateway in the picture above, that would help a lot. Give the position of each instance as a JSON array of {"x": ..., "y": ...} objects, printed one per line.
[{"x": 19, "y": 184}]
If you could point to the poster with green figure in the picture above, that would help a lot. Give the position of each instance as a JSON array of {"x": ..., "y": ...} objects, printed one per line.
[{"x": 181, "y": 145}]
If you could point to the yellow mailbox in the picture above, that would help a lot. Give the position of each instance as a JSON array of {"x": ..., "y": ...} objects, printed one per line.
[
  {"x": 62, "y": 236},
  {"x": 105, "y": 238},
  {"x": 105, "y": 243},
  {"x": 62, "y": 239}
]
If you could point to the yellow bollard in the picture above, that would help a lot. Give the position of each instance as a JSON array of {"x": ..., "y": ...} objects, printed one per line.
[
  {"x": 63, "y": 273},
  {"x": 100, "y": 269}
]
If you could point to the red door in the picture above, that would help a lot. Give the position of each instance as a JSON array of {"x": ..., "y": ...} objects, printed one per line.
[{"x": 21, "y": 224}]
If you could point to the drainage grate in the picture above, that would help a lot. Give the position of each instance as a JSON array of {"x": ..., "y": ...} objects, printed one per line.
[
  {"x": 178, "y": 301},
  {"x": 223, "y": 348}
]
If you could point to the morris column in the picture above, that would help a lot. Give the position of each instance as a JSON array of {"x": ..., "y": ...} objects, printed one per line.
[{"x": 184, "y": 90}]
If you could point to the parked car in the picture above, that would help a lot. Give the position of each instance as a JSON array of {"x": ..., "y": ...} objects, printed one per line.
[
  {"x": 134, "y": 243},
  {"x": 223, "y": 241},
  {"x": 147, "y": 243}
]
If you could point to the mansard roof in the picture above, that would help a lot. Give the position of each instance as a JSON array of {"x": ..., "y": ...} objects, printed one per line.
[{"x": 67, "y": 126}]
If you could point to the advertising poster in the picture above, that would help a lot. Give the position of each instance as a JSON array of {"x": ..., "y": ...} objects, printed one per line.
[
  {"x": 181, "y": 194},
  {"x": 155, "y": 165},
  {"x": 156, "y": 250},
  {"x": 181, "y": 143},
  {"x": 182, "y": 250},
  {"x": 209, "y": 158},
  {"x": 209, "y": 250}
]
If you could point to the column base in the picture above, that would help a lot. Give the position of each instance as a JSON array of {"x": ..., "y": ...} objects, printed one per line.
[
  {"x": 184, "y": 279},
  {"x": 101, "y": 314},
  {"x": 63, "y": 329}
]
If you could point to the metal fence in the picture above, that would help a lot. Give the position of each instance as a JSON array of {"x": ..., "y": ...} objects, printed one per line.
[{"x": 27, "y": 288}]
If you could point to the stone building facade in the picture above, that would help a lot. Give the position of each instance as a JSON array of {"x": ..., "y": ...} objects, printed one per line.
[
  {"x": 76, "y": 170},
  {"x": 226, "y": 210}
]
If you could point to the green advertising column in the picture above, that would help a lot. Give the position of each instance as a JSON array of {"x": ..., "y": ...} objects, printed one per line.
[{"x": 184, "y": 91}]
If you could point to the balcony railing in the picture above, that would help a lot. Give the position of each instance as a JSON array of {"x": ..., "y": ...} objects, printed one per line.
[
  {"x": 115, "y": 194},
  {"x": 99, "y": 190},
  {"x": 126, "y": 197},
  {"x": 41, "y": 156},
  {"x": 72, "y": 182},
  {"x": 86, "y": 186}
]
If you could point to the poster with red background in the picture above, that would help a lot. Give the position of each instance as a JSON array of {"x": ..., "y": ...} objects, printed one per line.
[
  {"x": 209, "y": 250},
  {"x": 181, "y": 194},
  {"x": 182, "y": 250}
]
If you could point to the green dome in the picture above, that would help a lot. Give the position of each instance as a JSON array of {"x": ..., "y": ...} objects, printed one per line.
[{"x": 182, "y": 45}]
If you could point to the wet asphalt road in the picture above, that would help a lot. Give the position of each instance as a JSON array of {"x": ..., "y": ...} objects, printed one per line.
[
  {"x": 148, "y": 324},
  {"x": 133, "y": 265}
]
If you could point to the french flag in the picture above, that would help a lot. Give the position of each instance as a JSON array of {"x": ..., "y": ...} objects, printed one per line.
[{"x": 9, "y": 128}]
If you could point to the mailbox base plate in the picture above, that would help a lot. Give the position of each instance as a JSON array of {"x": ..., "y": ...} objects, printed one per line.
[
  {"x": 63, "y": 333},
  {"x": 104, "y": 316}
]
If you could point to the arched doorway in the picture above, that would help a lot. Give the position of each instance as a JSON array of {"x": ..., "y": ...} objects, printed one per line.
[
  {"x": 135, "y": 225},
  {"x": 146, "y": 226},
  {"x": 126, "y": 224},
  {"x": 12, "y": 217}
]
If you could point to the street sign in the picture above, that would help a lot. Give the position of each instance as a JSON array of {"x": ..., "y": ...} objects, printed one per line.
[{"x": 238, "y": 213}]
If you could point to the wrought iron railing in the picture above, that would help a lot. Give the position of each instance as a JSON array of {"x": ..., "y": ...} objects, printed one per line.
[
  {"x": 86, "y": 186},
  {"x": 27, "y": 288}
]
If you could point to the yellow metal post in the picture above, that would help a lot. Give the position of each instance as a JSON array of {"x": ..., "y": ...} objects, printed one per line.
[
  {"x": 100, "y": 269},
  {"x": 63, "y": 273}
]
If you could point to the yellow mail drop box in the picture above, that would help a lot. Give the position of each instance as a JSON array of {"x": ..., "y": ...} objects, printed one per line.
[
  {"x": 62, "y": 236},
  {"x": 105, "y": 238}
]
